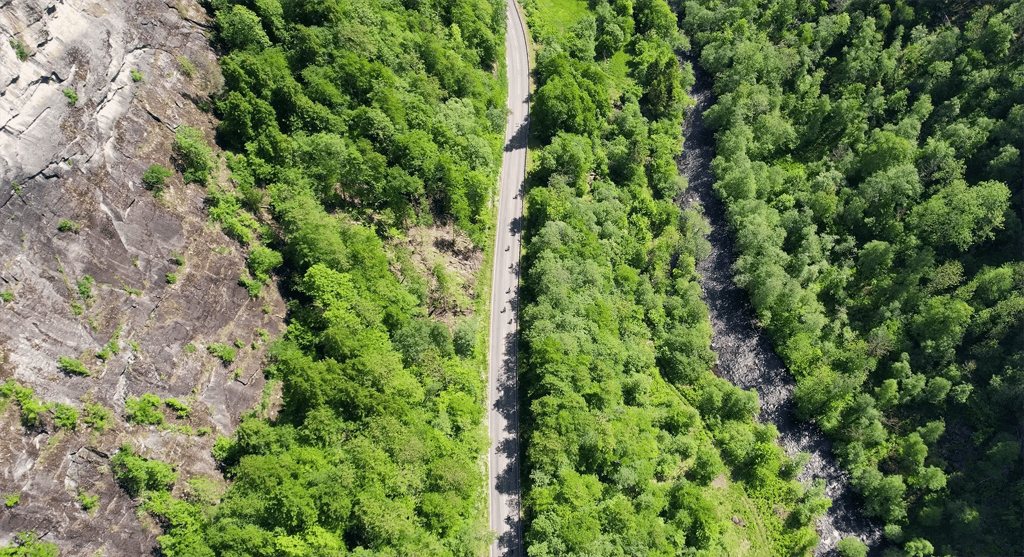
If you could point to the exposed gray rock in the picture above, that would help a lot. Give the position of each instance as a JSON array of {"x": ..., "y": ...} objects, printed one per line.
[{"x": 84, "y": 163}]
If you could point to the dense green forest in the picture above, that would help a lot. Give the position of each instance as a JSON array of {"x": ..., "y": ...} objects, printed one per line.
[
  {"x": 632, "y": 445},
  {"x": 346, "y": 123},
  {"x": 869, "y": 154}
]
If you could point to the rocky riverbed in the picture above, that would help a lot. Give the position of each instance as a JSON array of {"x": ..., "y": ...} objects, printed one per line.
[{"x": 746, "y": 356}]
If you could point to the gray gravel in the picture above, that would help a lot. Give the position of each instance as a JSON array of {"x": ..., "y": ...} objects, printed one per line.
[{"x": 746, "y": 356}]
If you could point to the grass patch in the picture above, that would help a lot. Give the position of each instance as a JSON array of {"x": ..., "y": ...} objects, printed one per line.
[
  {"x": 225, "y": 353},
  {"x": 67, "y": 225},
  {"x": 136, "y": 75},
  {"x": 97, "y": 416},
  {"x": 171, "y": 278},
  {"x": 85, "y": 287},
  {"x": 19, "y": 49},
  {"x": 12, "y": 500},
  {"x": 69, "y": 92},
  {"x": 144, "y": 410},
  {"x": 7, "y": 295},
  {"x": 88, "y": 502},
  {"x": 72, "y": 366}
]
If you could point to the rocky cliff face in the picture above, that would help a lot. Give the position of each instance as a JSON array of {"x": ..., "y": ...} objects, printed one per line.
[{"x": 83, "y": 163}]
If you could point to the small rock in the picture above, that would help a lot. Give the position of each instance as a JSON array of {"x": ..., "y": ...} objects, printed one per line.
[{"x": 738, "y": 521}]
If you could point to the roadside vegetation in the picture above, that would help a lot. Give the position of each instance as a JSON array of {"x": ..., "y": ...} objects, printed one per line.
[
  {"x": 869, "y": 156},
  {"x": 346, "y": 124}
]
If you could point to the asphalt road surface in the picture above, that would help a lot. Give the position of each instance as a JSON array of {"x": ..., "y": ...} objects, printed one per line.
[{"x": 502, "y": 387}]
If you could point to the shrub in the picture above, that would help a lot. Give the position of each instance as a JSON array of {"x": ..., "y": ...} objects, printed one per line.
[
  {"x": 178, "y": 406},
  {"x": 155, "y": 176},
  {"x": 852, "y": 547},
  {"x": 12, "y": 500},
  {"x": 193, "y": 154},
  {"x": 189, "y": 348},
  {"x": 176, "y": 258},
  {"x": 225, "y": 353},
  {"x": 136, "y": 75},
  {"x": 19, "y": 49},
  {"x": 262, "y": 260},
  {"x": 137, "y": 474},
  {"x": 88, "y": 502},
  {"x": 187, "y": 67},
  {"x": 171, "y": 278},
  {"x": 145, "y": 410},
  {"x": 85, "y": 287},
  {"x": 97, "y": 416},
  {"x": 72, "y": 366},
  {"x": 66, "y": 417},
  {"x": 6, "y": 295},
  {"x": 252, "y": 286},
  {"x": 68, "y": 226},
  {"x": 71, "y": 95}
]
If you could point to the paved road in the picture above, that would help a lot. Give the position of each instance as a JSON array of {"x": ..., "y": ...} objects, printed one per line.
[{"x": 502, "y": 392}]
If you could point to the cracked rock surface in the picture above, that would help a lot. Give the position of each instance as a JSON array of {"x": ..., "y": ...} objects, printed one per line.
[
  {"x": 83, "y": 163},
  {"x": 746, "y": 357}
]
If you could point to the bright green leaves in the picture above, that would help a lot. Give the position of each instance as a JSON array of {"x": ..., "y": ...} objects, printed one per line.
[
  {"x": 960, "y": 215},
  {"x": 240, "y": 29}
]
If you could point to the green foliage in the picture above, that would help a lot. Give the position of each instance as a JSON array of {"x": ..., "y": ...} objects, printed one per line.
[
  {"x": 186, "y": 66},
  {"x": 85, "y": 287},
  {"x": 137, "y": 475},
  {"x": 12, "y": 500},
  {"x": 72, "y": 366},
  {"x": 7, "y": 295},
  {"x": 262, "y": 260},
  {"x": 863, "y": 154},
  {"x": 19, "y": 49},
  {"x": 189, "y": 348},
  {"x": 136, "y": 75},
  {"x": 144, "y": 410},
  {"x": 179, "y": 407},
  {"x": 69, "y": 226},
  {"x": 193, "y": 156},
  {"x": 88, "y": 502},
  {"x": 97, "y": 416},
  {"x": 71, "y": 95},
  {"x": 852, "y": 547},
  {"x": 171, "y": 278},
  {"x": 27, "y": 544},
  {"x": 225, "y": 353},
  {"x": 155, "y": 176},
  {"x": 177, "y": 258},
  {"x": 65, "y": 417}
]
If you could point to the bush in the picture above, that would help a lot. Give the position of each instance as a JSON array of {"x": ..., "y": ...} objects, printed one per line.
[
  {"x": 262, "y": 260},
  {"x": 66, "y": 417},
  {"x": 225, "y": 353},
  {"x": 155, "y": 176},
  {"x": 852, "y": 547},
  {"x": 178, "y": 406},
  {"x": 137, "y": 474},
  {"x": 145, "y": 410},
  {"x": 72, "y": 366},
  {"x": 177, "y": 258},
  {"x": 85, "y": 287},
  {"x": 71, "y": 95},
  {"x": 193, "y": 154},
  {"x": 88, "y": 502},
  {"x": 171, "y": 278},
  {"x": 19, "y": 49},
  {"x": 6, "y": 295},
  {"x": 97, "y": 416},
  {"x": 136, "y": 75},
  {"x": 252, "y": 286},
  {"x": 12, "y": 500},
  {"x": 28, "y": 544},
  {"x": 68, "y": 226}
]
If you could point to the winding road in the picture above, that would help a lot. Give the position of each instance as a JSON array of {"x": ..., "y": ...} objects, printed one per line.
[{"x": 502, "y": 381}]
